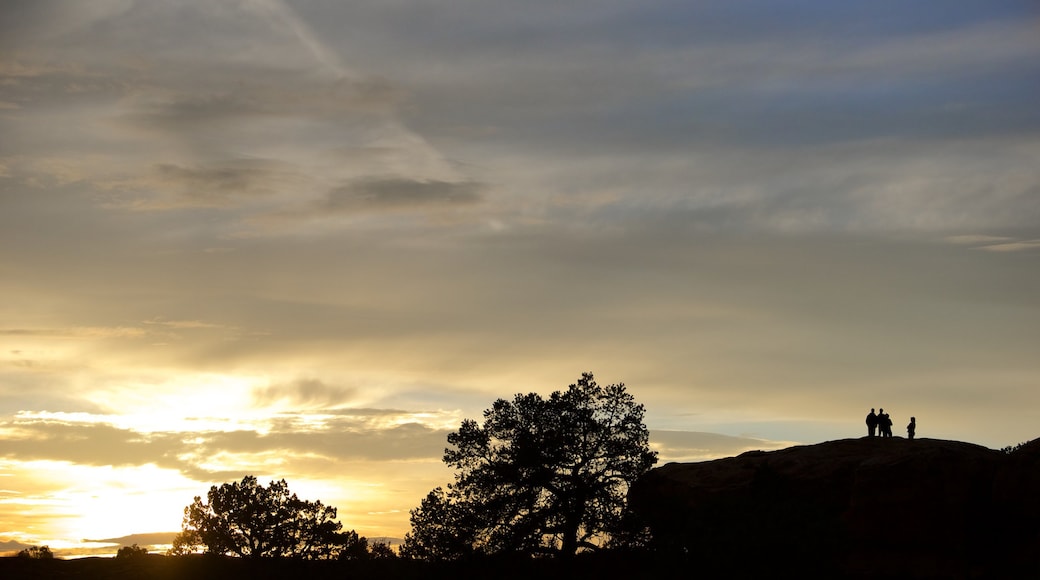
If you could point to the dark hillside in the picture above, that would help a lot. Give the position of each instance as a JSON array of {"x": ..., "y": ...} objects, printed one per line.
[{"x": 853, "y": 508}]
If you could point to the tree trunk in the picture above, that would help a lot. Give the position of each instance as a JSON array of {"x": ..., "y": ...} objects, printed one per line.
[{"x": 571, "y": 525}]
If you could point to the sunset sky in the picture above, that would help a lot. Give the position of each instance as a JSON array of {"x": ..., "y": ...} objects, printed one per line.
[{"x": 304, "y": 239}]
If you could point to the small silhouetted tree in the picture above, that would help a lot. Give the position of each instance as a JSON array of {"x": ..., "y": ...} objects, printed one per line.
[
  {"x": 539, "y": 475},
  {"x": 353, "y": 546},
  {"x": 1008, "y": 450},
  {"x": 382, "y": 551},
  {"x": 248, "y": 520},
  {"x": 444, "y": 527},
  {"x": 131, "y": 552},
  {"x": 37, "y": 553}
]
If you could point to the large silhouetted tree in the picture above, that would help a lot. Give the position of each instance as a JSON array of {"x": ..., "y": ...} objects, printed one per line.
[
  {"x": 249, "y": 520},
  {"x": 539, "y": 475}
]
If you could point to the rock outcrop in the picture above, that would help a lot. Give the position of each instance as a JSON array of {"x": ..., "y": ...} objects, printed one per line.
[{"x": 852, "y": 508}]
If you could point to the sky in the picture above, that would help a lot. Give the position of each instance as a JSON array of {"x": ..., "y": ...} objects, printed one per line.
[{"x": 304, "y": 239}]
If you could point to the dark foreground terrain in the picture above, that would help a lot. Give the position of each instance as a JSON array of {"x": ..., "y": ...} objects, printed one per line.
[
  {"x": 156, "y": 567},
  {"x": 854, "y": 508}
]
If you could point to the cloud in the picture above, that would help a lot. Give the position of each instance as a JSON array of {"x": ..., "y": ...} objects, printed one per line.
[
  {"x": 215, "y": 182},
  {"x": 338, "y": 439},
  {"x": 750, "y": 122},
  {"x": 396, "y": 193},
  {"x": 275, "y": 97},
  {"x": 10, "y": 547},
  {"x": 994, "y": 243},
  {"x": 146, "y": 539},
  {"x": 684, "y": 446},
  {"x": 1018, "y": 246},
  {"x": 87, "y": 444},
  {"x": 976, "y": 239},
  {"x": 182, "y": 324},
  {"x": 291, "y": 441},
  {"x": 44, "y": 21},
  {"x": 78, "y": 332},
  {"x": 661, "y": 77},
  {"x": 154, "y": 329},
  {"x": 179, "y": 113},
  {"x": 162, "y": 117},
  {"x": 304, "y": 393}
]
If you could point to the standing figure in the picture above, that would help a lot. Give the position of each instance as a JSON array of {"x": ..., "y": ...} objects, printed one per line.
[
  {"x": 871, "y": 423},
  {"x": 911, "y": 428},
  {"x": 884, "y": 424}
]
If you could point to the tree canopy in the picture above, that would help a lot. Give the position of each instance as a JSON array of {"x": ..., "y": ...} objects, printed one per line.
[
  {"x": 131, "y": 552},
  {"x": 248, "y": 520},
  {"x": 539, "y": 475},
  {"x": 37, "y": 553}
]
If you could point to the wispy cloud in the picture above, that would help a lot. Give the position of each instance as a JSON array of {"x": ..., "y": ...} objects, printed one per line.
[
  {"x": 182, "y": 324},
  {"x": 78, "y": 332},
  {"x": 976, "y": 239},
  {"x": 994, "y": 243},
  {"x": 699, "y": 446},
  {"x": 305, "y": 393},
  {"x": 401, "y": 193},
  {"x": 1018, "y": 246},
  {"x": 205, "y": 455}
]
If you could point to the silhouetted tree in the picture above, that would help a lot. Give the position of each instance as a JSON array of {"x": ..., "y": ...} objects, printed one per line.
[
  {"x": 382, "y": 551},
  {"x": 37, "y": 553},
  {"x": 131, "y": 552},
  {"x": 249, "y": 520},
  {"x": 353, "y": 546},
  {"x": 443, "y": 528},
  {"x": 540, "y": 475}
]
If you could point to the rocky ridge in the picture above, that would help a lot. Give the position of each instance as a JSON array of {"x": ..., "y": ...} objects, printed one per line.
[{"x": 865, "y": 507}]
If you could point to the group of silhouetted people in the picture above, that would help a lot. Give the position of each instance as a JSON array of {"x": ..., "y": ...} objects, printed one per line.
[{"x": 882, "y": 424}]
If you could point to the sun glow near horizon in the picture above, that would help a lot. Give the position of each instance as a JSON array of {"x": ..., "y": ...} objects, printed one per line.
[
  {"x": 62, "y": 503},
  {"x": 133, "y": 467}
]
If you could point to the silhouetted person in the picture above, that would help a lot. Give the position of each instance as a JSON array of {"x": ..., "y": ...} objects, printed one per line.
[
  {"x": 884, "y": 424},
  {"x": 871, "y": 423},
  {"x": 911, "y": 428}
]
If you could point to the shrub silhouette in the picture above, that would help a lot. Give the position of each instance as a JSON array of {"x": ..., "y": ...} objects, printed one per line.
[{"x": 1008, "y": 450}]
